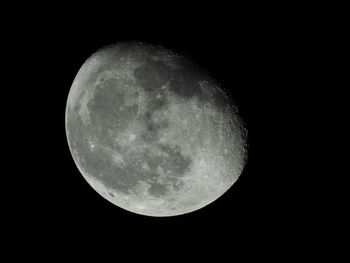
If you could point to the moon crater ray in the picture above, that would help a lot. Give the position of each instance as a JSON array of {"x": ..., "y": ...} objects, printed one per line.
[{"x": 152, "y": 132}]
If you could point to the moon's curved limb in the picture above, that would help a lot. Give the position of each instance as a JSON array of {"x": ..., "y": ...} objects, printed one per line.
[{"x": 151, "y": 133}]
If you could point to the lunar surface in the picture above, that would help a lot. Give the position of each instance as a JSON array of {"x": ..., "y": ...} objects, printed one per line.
[{"x": 152, "y": 132}]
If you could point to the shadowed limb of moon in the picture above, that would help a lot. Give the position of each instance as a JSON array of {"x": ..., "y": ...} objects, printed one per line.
[{"x": 152, "y": 132}]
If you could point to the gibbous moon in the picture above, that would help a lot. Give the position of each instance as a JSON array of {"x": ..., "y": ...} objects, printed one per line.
[{"x": 152, "y": 132}]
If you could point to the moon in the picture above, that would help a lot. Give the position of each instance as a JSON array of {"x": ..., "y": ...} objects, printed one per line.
[{"x": 152, "y": 132}]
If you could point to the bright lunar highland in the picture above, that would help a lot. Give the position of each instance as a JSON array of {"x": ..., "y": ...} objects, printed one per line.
[{"x": 152, "y": 132}]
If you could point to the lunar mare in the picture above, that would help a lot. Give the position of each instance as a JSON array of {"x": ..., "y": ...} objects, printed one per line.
[{"x": 152, "y": 132}]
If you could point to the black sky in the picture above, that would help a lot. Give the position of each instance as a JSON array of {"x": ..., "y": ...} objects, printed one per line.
[{"x": 252, "y": 55}]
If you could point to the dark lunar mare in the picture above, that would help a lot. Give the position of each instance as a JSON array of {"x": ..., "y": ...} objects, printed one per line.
[{"x": 182, "y": 81}]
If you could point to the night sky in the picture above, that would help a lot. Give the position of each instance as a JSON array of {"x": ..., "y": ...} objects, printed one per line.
[{"x": 252, "y": 55}]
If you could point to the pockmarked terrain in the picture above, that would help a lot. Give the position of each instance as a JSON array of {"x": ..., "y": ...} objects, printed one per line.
[{"x": 152, "y": 132}]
